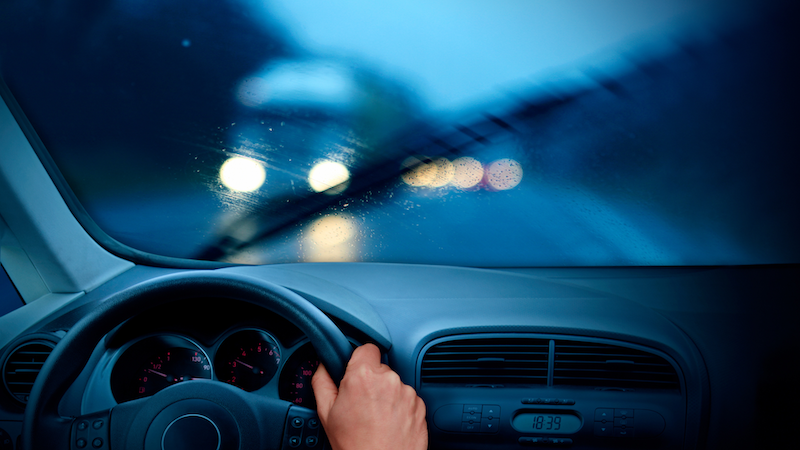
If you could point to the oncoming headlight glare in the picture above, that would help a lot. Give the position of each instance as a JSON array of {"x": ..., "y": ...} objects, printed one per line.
[{"x": 242, "y": 174}]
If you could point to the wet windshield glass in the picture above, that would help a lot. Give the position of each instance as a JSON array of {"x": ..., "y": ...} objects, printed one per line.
[{"x": 468, "y": 133}]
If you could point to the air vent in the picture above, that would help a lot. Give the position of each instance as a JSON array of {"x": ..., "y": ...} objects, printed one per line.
[
  {"x": 604, "y": 365},
  {"x": 23, "y": 365},
  {"x": 499, "y": 361}
]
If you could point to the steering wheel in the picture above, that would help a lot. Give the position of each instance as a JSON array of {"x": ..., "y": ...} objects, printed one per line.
[{"x": 199, "y": 415}]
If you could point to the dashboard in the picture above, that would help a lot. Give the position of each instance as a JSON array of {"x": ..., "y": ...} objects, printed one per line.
[
  {"x": 504, "y": 359},
  {"x": 682, "y": 357}
]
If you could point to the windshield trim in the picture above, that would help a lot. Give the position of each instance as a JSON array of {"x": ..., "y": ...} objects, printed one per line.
[{"x": 76, "y": 208}]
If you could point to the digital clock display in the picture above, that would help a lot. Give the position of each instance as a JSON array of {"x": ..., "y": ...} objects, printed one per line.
[{"x": 544, "y": 422}]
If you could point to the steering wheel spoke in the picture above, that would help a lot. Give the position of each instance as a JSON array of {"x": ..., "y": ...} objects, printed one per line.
[
  {"x": 303, "y": 430},
  {"x": 91, "y": 431}
]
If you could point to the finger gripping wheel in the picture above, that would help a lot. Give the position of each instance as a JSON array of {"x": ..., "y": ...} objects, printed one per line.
[{"x": 237, "y": 421}]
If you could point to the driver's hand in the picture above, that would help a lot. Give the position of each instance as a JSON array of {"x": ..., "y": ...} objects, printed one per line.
[{"x": 371, "y": 409}]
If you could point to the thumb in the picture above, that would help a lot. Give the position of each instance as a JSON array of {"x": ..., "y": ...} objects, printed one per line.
[{"x": 325, "y": 392}]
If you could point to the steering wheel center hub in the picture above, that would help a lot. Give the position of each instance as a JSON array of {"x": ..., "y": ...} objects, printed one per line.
[
  {"x": 191, "y": 432},
  {"x": 188, "y": 424}
]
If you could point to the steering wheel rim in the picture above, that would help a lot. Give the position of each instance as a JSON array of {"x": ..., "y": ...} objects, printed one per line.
[{"x": 42, "y": 422}]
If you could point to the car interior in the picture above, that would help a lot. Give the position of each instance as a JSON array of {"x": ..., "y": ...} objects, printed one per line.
[{"x": 602, "y": 256}]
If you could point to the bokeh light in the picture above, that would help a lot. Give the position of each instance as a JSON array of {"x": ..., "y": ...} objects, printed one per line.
[
  {"x": 468, "y": 172},
  {"x": 444, "y": 172},
  {"x": 242, "y": 174},
  {"x": 331, "y": 238},
  {"x": 329, "y": 177},
  {"x": 504, "y": 174},
  {"x": 420, "y": 171},
  {"x": 423, "y": 171}
]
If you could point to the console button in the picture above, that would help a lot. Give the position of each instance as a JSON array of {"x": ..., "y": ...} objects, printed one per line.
[
  {"x": 603, "y": 414},
  {"x": 491, "y": 411},
  {"x": 620, "y": 422},
  {"x": 471, "y": 418},
  {"x": 467, "y": 427},
  {"x": 624, "y": 412},
  {"x": 622, "y": 432},
  {"x": 490, "y": 426},
  {"x": 603, "y": 429},
  {"x": 473, "y": 409},
  {"x": 294, "y": 441}
]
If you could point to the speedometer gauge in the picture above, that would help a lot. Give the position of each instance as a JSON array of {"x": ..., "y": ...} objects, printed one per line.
[
  {"x": 155, "y": 363},
  {"x": 172, "y": 366},
  {"x": 248, "y": 359}
]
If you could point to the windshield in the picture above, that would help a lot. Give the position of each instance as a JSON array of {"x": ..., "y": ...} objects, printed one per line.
[{"x": 449, "y": 132}]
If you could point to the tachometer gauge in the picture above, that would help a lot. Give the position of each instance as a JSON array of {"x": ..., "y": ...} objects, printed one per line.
[
  {"x": 295, "y": 381},
  {"x": 248, "y": 359},
  {"x": 172, "y": 366}
]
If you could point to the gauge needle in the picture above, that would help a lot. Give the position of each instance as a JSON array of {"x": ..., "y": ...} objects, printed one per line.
[
  {"x": 258, "y": 371},
  {"x": 158, "y": 373},
  {"x": 244, "y": 363}
]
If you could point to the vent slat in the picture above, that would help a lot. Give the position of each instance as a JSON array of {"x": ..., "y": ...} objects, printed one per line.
[
  {"x": 630, "y": 373},
  {"x": 487, "y": 362},
  {"x": 497, "y": 376},
  {"x": 495, "y": 367},
  {"x": 433, "y": 370},
  {"x": 620, "y": 380},
  {"x": 24, "y": 371},
  {"x": 23, "y": 366},
  {"x": 604, "y": 365},
  {"x": 656, "y": 365},
  {"x": 486, "y": 352}
]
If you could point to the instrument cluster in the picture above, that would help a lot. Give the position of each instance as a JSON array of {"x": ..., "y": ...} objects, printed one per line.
[{"x": 248, "y": 358}]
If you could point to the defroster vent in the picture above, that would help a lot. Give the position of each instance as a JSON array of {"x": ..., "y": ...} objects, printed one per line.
[{"x": 490, "y": 361}]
